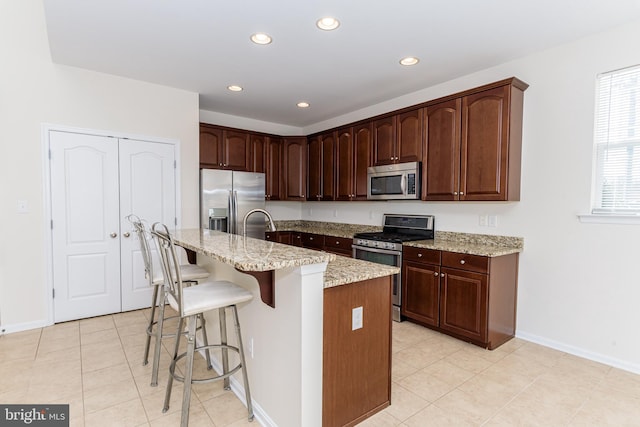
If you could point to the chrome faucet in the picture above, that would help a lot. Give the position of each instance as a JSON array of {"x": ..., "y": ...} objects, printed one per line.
[{"x": 272, "y": 226}]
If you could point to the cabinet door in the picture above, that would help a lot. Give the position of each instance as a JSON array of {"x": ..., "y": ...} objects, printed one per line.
[
  {"x": 236, "y": 150},
  {"x": 328, "y": 165},
  {"x": 338, "y": 245},
  {"x": 463, "y": 304},
  {"x": 442, "y": 156},
  {"x": 295, "y": 163},
  {"x": 384, "y": 141},
  {"x": 257, "y": 151},
  {"x": 273, "y": 168},
  {"x": 409, "y": 136},
  {"x": 344, "y": 165},
  {"x": 421, "y": 292},
  {"x": 210, "y": 147},
  {"x": 485, "y": 145},
  {"x": 312, "y": 241},
  {"x": 314, "y": 168},
  {"x": 362, "y": 148}
]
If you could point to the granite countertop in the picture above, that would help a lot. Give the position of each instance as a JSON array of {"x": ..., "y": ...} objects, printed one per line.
[
  {"x": 249, "y": 254},
  {"x": 344, "y": 270},
  {"x": 466, "y": 243},
  {"x": 246, "y": 253}
]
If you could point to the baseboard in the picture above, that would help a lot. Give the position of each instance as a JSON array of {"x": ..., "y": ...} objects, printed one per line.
[
  {"x": 19, "y": 327},
  {"x": 580, "y": 352}
]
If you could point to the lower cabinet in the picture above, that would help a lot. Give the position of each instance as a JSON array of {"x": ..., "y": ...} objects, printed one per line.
[
  {"x": 320, "y": 242},
  {"x": 470, "y": 297}
]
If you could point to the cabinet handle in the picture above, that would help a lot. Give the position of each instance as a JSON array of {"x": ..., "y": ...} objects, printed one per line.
[
  {"x": 441, "y": 274},
  {"x": 435, "y": 274},
  {"x": 462, "y": 193},
  {"x": 461, "y": 261},
  {"x": 337, "y": 243},
  {"x": 310, "y": 238},
  {"x": 113, "y": 235},
  {"x": 126, "y": 234},
  {"x": 455, "y": 193},
  {"x": 419, "y": 255}
]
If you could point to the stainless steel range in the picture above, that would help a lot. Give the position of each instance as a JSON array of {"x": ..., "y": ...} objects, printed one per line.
[{"x": 385, "y": 247}]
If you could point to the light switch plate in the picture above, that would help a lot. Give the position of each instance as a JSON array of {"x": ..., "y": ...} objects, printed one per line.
[
  {"x": 356, "y": 318},
  {"x": 493, "y": 221}
]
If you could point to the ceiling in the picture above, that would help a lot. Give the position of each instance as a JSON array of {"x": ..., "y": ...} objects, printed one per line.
[{"x": 203, "y": 46}]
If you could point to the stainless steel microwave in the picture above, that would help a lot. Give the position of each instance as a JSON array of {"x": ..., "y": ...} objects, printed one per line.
[{"x": 400, "y": 181}]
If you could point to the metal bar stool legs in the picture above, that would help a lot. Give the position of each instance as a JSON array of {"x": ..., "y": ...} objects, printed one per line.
[{"x": 189, "y": 354}]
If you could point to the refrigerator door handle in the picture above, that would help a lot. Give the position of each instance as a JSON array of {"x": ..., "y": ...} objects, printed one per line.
[
  {"x": 236, "y": 225},
  {"x": 231, "y": 224}
]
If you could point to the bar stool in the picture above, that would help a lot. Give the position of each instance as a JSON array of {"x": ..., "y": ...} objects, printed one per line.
[
  {"x": 190, "y": 273},
  {"x": 190, "y": 302}
]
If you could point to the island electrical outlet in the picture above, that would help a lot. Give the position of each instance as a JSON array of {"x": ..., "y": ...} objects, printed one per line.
[{"x": 356, "y": 318}]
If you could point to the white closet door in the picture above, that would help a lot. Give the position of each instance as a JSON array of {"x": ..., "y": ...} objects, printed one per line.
[
  {"x": 148, "y": 190},
  {"x": 86, "y": 225}
]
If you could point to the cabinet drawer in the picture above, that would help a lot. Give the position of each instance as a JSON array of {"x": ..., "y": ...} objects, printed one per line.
[
  {"x": 467, "y": 262},
  {"x": 313, "y": 241},
  {"x": 338, "y": 243},
  {"x": 429, "y": 256}
]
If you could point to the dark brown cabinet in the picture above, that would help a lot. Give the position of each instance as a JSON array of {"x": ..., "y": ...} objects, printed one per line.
[
  {"x": 258, "y": 151},
  {"x": 353, "y": 157},
  {"x": 222, "y": 148},
  {"x": 398, "y": 138},
  {"x": 470, "y": 297},
  {"x": 295, "y": 168},
  {"x": 421, "y": 285},
  {"x": 338, "y": 245},
  {"x": 474, "y": 144},
  {"x": 273, "y": 168},
  {"x": 321, "y": 167},
  {"x": 312, "y": 241}
]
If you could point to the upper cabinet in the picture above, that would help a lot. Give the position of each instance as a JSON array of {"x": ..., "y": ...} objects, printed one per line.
[
  {"x": 473, "y": 145},
  {"x": 353, "y": 157},
  {"x": 321, "y": 158},
  {"x": 398, "y": 138},
  {"x": 257, "y": 152},
  {"x": 222, "y": 148},
  {"x": 295, "y": 168},
  {"x": 273, "y": 168}
]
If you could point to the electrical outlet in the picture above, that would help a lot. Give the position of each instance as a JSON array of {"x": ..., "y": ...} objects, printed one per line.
[
  {"x": 482, "y": 220},
  {"x": 335, "y": 213},
  {"x": 310, "y": 212},
  {"x": 251, "y": 347},
  {"x": 493, "y": 221},
  {"x": 356, "y": 318}
]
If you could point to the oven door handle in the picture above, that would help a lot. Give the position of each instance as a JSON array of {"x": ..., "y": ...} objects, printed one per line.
[{"x": 380, "y": 251}]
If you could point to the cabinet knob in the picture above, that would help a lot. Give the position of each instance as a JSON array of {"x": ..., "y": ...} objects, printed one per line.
[
  {"x": 113, "y": 235},
  {"x": 337, "y": 243},
  {"x": 462, "y": 261},
  {"x": 126, "y": 234},
  {"x": 462, "y": 193},
  {"x": 441, "y": 274},
  {"x": 435, "y": 274},
  {"x": 310, "y": 238},
  {"x": 455, "y": 193},
  {"x": 419, "y": 255}
]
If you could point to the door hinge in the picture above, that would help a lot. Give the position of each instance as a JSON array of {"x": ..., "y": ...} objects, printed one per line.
[
  {"x": 54, "y": 292},
  {"x": 49, "y": 154},
  {"x": 175, "y": 221},
  {"x": 175, "y": 164},
  {"x": 52, "y": 224}
]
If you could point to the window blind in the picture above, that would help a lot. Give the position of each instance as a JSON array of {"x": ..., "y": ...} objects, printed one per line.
[{"x": 617, "y": 143}]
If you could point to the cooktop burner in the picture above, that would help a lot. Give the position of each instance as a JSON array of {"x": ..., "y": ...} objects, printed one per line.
[
  {"x": 402, "y": 228},
  {"x": 391, "y": 237}
]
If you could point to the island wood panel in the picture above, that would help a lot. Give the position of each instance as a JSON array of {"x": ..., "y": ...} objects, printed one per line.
[{"x": 356, "y": 364}]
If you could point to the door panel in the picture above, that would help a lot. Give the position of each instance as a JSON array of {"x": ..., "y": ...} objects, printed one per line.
[
  {"x": 85, "y": 256},
  {"x": 147, "y": 189}
]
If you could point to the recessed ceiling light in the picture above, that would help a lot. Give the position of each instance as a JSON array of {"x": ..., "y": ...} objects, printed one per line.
[
  {"x": 409, "y": 60},
  {"x": 234, "y": 88},
  {"x": 328, "y": 23},
  {"x": 303, "y": 104},
  {"x": 261, "y": 38}
]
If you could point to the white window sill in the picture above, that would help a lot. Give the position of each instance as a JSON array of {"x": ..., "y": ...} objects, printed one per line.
[{"x": 609, "y": 219}]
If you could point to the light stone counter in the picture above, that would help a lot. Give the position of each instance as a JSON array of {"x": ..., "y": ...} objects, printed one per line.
[{"x": 246, "y": 253}]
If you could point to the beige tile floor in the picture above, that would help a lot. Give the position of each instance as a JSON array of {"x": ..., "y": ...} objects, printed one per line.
[{"x": 95, "y": 366}]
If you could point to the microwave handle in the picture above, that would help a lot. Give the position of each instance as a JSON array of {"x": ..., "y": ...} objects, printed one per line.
[{"x": 403, "y": 183}]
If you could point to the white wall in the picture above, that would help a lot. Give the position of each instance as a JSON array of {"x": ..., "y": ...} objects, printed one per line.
[
  {"x": 33, "y": 91},
  {"x": 579, "y": 286}
]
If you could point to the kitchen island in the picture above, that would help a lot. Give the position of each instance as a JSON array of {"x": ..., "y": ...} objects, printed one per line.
[{"x": 308, "y": 365}]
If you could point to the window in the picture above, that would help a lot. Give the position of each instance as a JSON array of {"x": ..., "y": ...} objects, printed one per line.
[{"x": 617, "y": 143}]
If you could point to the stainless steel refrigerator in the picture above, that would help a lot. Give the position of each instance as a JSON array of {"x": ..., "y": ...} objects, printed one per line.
[{"x": 226, "y": 197}]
